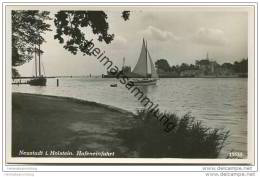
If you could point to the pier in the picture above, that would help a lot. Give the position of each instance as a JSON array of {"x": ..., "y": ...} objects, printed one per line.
[{"x": 24, "y": 82}]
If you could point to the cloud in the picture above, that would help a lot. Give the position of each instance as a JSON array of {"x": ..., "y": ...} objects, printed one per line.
[
  {"x": 119, "y": 40},
  {"x": 119, "y": 43},
  {"x": 152, "y": 32},
  {"x": 148, "y": 18},
  {"x": 210, "y": 36}
]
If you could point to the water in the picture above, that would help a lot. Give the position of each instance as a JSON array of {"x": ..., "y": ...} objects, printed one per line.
[{"x": 217, "y": 102}]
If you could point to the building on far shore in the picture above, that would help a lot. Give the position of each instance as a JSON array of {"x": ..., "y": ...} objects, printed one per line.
[
  {"x": 206, "y": 66},
  {"x": 189, "y": 73}
]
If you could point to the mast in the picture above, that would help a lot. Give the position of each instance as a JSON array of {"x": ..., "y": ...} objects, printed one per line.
[
  {"x": 35, "y": 60},
  {"x": 39, "y": 61},
  {"x": 123, "y": 66},
  {"x": 123, "y": 63},
  {"x": 146, "y": 54}
]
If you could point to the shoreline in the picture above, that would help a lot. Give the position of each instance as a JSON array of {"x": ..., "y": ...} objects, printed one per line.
[
  {"x": 111, "y": 76},
  {"x": 77, "y": 100},
  {"x": 166, "y": 76},
  {"x": 53, "y": 123},
  {"x": 55, "y": 126}
]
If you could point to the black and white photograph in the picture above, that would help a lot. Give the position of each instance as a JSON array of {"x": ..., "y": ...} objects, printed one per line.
[{"x": 130, "y": 84}]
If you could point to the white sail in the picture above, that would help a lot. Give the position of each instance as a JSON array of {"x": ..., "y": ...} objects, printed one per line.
[
  {"x": 141, "y": 66},
  {"x": 153, "y": 70}
]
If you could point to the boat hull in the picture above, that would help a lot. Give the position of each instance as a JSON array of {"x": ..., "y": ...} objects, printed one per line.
[
  {"x": 144, "y": 82},
  {"x": 39, "y": 81}
]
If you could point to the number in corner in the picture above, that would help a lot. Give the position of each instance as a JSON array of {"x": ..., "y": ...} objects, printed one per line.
[{"x": 235, "y": 155}]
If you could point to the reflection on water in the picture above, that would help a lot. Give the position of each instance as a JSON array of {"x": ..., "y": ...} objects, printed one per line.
[{"x": 218, "y": 102}]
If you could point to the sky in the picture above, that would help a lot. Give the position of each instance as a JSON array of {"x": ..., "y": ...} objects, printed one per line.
[{"x": 178, "y": 34}]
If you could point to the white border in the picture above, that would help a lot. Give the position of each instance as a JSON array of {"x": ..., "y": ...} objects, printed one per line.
[{"x": 139, "y": 160}]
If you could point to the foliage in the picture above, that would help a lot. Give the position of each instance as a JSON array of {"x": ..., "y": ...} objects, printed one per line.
[
  {"x": 189, "y": 138},
  {"x": 236, "y": 67},
  {"x": 15, "y": 73},
  {"x": 227, "y": 66},
  {"x": 162, "y": 64},
  {"x": 72, "y": 24},
  {"x": 127, "y": 69},
  {"x": 125, "y": 15},
  {"x": 75, "y": 24},
  {"x": 27, "y": 29},
  {"x": 241, "y": 67}
]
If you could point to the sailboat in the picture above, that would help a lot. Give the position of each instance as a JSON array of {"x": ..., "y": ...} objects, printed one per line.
[
  {"x": 141, "y": 68},
  {"x": 39, "y": 79}
]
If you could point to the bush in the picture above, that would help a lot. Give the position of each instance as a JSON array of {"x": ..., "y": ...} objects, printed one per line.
[{"x": 188, "y": 139}]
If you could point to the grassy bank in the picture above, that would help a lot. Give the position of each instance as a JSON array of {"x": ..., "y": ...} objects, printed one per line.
[{"x": 49, "y": 123}]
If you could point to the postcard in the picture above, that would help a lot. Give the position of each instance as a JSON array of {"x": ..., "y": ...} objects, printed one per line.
[{"x": 130, "y": 84}]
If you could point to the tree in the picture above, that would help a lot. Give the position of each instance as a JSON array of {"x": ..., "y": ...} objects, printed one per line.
[
  {"x": 15, "y": 73},
  {"x": 27, "y": 29},
  {"x": 125, "y": 15},
  {"x": 127, "y": 69},
  {"x": 241, "y": 67},
  {"x": 163, "y": 65},
  {"x": 173, "y": 68},
  {"x": 227, "y": 66},
  {"x": 184, "y": 66},
  {"x": 75, "y": 24},
  {"x": 29, "y": 25}
]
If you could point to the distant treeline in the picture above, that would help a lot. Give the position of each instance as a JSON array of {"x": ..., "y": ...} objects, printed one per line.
[
  {"x": 203, "y": 68},
  {"x": 237, "y": 67}
]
